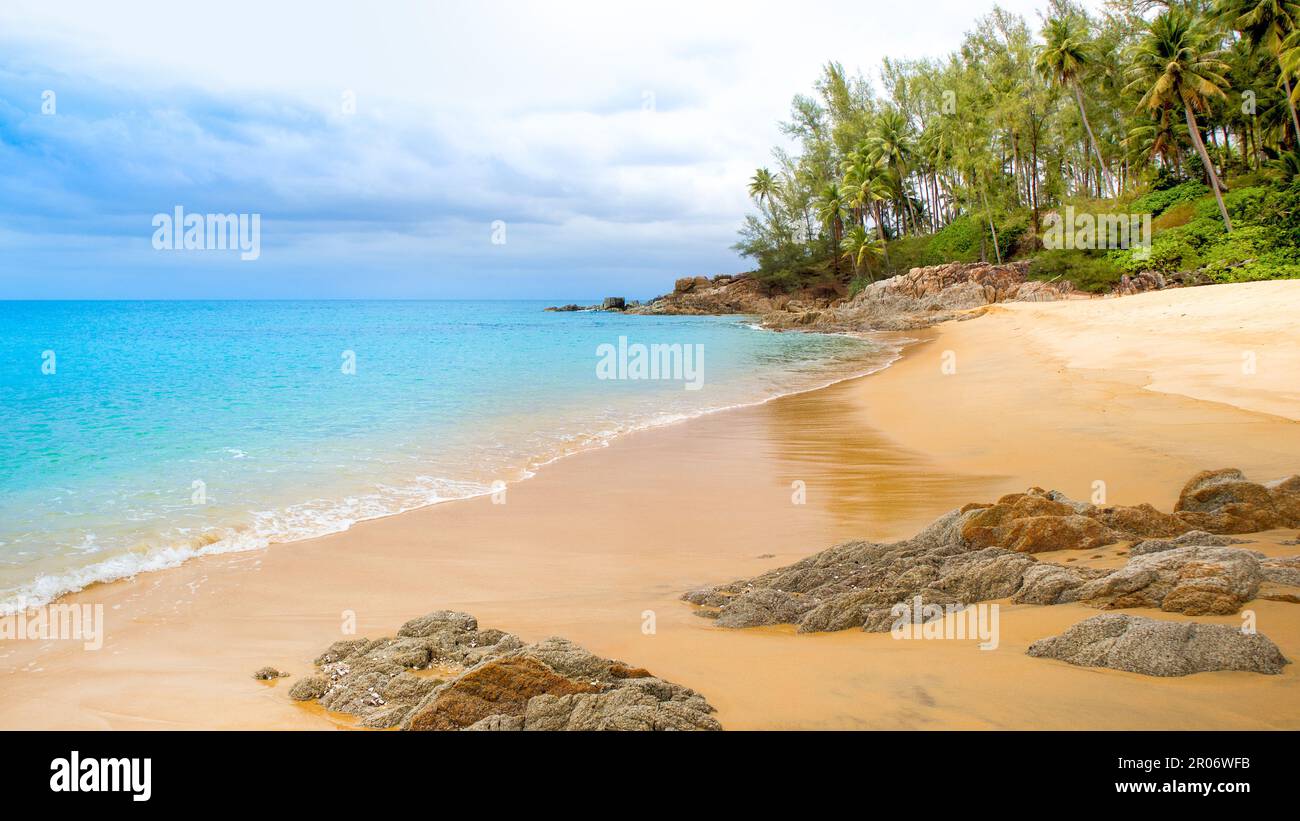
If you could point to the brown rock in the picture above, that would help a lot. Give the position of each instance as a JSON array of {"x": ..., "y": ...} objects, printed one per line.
[{"x": 501, "y": 687}]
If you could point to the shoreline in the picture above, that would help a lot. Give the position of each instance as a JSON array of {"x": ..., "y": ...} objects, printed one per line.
[
  {"x": 597, "y": 540},
  {"x": 164, "y": 558}
]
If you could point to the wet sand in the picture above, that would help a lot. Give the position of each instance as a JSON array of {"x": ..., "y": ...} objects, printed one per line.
[{"x": 600, "y": 543}]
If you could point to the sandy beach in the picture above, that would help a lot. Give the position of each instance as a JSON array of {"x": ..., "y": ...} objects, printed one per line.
[{"x": 1139, "y": 393}]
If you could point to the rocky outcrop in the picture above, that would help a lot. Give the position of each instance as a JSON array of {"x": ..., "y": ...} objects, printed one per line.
[
  {"x": 740, "y": 294},
  {"x": 441, "y": 672},
  {"x": 923, "y": 297},
  {"x": 1225, "y": 501},
  {"x": 1152, "y": 647},
  {"x": 1192, "y": 537},
  {"x": 983, "y": 552},
  {"x": 1193, "y": 580}
]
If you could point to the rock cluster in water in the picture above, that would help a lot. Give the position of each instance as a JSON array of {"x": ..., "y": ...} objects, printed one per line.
[{"x": 441, "y": 672}]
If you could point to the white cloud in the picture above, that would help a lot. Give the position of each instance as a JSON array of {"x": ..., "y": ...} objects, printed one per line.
[{"x": 530, "y": 108}]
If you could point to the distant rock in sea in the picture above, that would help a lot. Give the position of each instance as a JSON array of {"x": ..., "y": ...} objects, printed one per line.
[
  {"x": 1137, "y": 644},
  {"x": 441, "y": 672}
]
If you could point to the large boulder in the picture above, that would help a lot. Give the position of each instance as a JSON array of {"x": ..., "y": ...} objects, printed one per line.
[
  {"x": 1225, "y": 501},
  {"x": 857, "y": 584},
  {"x": 1192, "y": 580},
  {"x": 978, "y": 553},
  {"x": 501, "y": 687},
  {"x": 442, "y": 672},
  {"x": 1137, "y": 644}
]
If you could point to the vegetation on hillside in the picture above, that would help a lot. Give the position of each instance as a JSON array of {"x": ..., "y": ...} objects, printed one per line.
[{"x": 1183, "y": 109}]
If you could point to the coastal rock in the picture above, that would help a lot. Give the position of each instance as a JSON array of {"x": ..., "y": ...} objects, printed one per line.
[
  {"x": 1191, "y": 580},
  {"x": 1225, "y": 501},
  {"x": 1033, "y": 522},
  {"x": 1152, "y": 647},
  {"x": 1192, "y": 537},
  {"x": 442, "y": 672},
  {"x": 924, "y": 297},
  {"x": 495, "y": 688},
  {"x": 740, "y": 294},
  {"x": 268, "y": 674},
  {"x": 857, "y": 584},
  {"x": 980, "y": 553},
  {"x": 309, "y": 688}
]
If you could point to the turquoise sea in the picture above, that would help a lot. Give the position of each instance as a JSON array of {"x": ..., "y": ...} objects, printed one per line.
[{"x": 135, "y": 435}]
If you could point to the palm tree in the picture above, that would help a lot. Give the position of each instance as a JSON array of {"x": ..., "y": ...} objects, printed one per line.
[
  {"x": 762, "y": 186},
  {"x": 1267, "y": 25},
  {"x": 859, "y": 247},
  {"x": 866, "y": 186},
  {"x": 890, "y": 143},
  {"x": 1174, "y": 65},
  {"x": 1286, "y": 168},
  {"x": 830, "y": 208},
  {"x": 1063, "y": 60}
]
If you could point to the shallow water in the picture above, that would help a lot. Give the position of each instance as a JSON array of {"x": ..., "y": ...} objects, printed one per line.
[{"x": 135, "y": 435}]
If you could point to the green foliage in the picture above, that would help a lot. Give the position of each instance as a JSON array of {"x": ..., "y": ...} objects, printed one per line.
[
  {"x": 1090, "y": 271},
  {"x": 1157, "y": 202},
  {"x": 1108, "y": 110}
]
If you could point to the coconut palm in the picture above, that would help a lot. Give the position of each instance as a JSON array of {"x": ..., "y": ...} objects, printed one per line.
[
  {"x": 891, "y": 144},
  {"x": 1174, "y": 65},
  {"x": 762, "y": 186},
  {"x": 1063, "y": 60},
  {"x": 866, "y": 186},
  {"x": 830, "y": 209},
  {"x": 1268, "y": 25},
  {"x": 860, "y": 248}
]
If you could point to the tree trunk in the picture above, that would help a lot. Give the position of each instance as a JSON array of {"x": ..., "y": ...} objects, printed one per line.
[
  {"x": 1290, "y": 104},
  {"x": 1195, "y": 131},
  {"x": 880, "y": 229},
  {"x": 992, "y": 227},
  {"x": 1096, "y": 149}
]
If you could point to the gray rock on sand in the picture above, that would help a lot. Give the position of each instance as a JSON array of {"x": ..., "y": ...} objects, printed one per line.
[
  {"x": 441, "y": 672},
  {"x": 1152, "y": 647},
  {"x": 857, "y": 584},
  {"x": 306, "y": 689},
  {"x": 268, "y": 674},
  {"x": 1193, "y": 537}
]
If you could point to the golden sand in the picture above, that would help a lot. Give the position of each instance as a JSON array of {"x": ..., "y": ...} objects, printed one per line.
[{"x": 1138, "y": 393}]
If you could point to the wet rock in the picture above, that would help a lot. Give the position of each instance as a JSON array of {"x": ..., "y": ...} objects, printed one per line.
[{"x": 1152, "y": 647}]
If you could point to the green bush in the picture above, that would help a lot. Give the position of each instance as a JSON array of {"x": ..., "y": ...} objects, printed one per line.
[
  {"x": 1157, "y": 202},
  {"x": 1091, "y": 271}
]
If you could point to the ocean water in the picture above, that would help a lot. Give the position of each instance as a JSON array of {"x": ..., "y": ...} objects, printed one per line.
[{"x": 136, "y": 435}]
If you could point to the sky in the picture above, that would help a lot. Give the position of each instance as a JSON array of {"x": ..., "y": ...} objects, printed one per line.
[{"x": 450, "y": 150}]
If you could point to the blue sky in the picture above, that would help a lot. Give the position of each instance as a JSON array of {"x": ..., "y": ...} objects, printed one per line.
[{"x": 614, "y": 140}]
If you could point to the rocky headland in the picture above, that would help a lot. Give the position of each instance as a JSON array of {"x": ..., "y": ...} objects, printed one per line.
[
  {"x": 442, "y": 672},
  {"x": 919, "y": 298},
  {"x": 1180, "y": 562}
]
